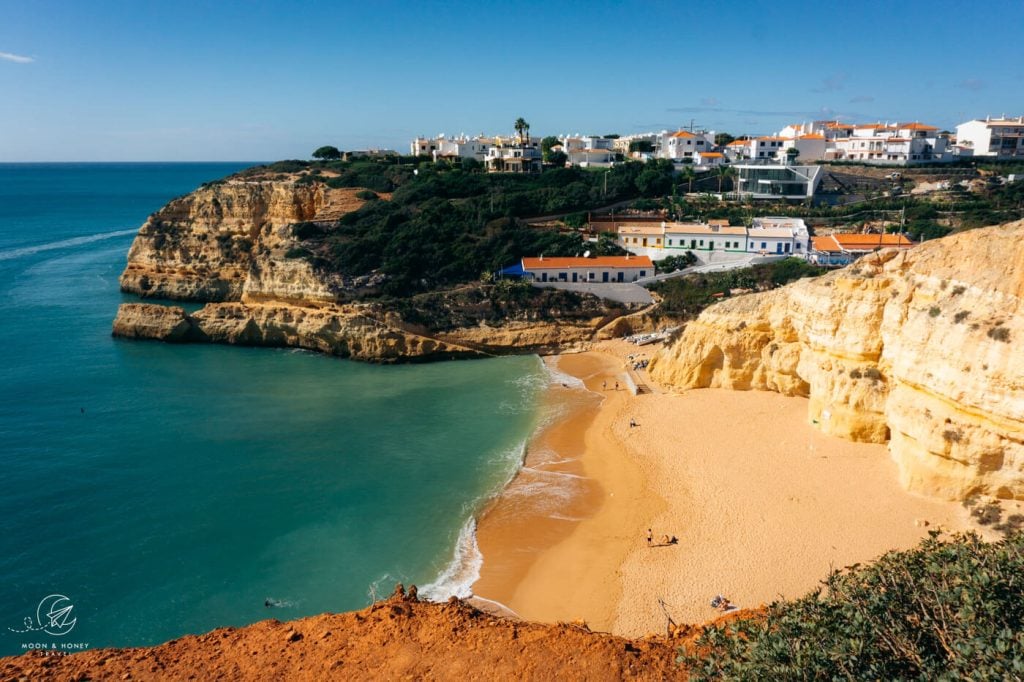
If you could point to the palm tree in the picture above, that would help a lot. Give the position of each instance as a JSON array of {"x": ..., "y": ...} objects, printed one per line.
[
  {"x": 689, "y": 175},
  {"x": 723, "y": 173}
]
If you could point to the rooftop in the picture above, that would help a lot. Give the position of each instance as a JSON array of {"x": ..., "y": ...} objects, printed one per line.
[
  {"x": 543, "y": 263},
  {"x": 838, "y": 243}
]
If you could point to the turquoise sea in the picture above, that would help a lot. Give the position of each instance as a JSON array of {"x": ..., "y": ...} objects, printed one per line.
[{"x": 165, "y": 489}]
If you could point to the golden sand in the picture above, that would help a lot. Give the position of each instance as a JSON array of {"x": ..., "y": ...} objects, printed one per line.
[{"x": 762, "y": 503}]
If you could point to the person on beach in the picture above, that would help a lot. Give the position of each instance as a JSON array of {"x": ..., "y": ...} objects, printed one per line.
[
  {"x": 632, "y": 423},
  {"x": 650, "y": 537},
  {"x": 616, "y": 385},
  {"x": 604, "y": 385}
]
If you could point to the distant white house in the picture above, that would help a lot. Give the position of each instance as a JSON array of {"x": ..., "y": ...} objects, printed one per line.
[
  {"x": 681, "y": 145},
  {"x": 603, "y": 269},
  {"x": 891, "y": 144},
  {"x": 709, "y": 159},
  {"x": 452, "y": 147},
  {"x": 994, "y": 138},
  {"x": 717, "y": 242},
  {"x": 513, "y": 155},
  {"x": 589, "y": 151}
]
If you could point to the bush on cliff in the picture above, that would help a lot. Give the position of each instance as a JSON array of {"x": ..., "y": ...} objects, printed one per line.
[
  {"x": 444, "y": 226},
  {"x": 945, "y": 610},
  {"x": 687, "y": 296}
]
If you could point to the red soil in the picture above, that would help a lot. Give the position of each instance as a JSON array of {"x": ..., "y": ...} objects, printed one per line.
[{"x": 399, "y": 638}]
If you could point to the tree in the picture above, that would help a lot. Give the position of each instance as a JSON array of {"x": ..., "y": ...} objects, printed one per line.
[
  {"x": 327, "y": 153},
  {"x": 557, "y": 159},
  {"x": 548, "y": 142},
  {"x": 722, "y": 139},
  {"x": 791, "y": 154},
  {"x": 723, "y": 173},
  {"x": 641, "y": 146},
  {"x": 523, "y": 128},
  {"x": 689, "y": 175}
]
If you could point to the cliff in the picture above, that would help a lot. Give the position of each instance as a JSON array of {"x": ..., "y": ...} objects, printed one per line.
[
  {"x": 915, "y": 348},
  {"x": 232, "y": 244},
  {"x": 399, "y": 638}
]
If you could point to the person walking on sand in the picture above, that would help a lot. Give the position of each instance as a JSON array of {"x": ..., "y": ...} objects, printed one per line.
[
  {"x": 604, "y": 385},
  {"x": 650, "y": 537},
  {"x": 616, "y": 385}
]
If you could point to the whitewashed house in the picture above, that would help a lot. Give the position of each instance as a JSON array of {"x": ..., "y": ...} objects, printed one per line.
[
  {"x": 683, "y": 144},
  {"x": 513, "y": 155},
  {"x": 994, "y": 138},
  {"x": 600, "y": 270},
  {"x": 892, "y": 144},
  {"x": 709, "y": 159},
  {"x": 717, "y": 242}
]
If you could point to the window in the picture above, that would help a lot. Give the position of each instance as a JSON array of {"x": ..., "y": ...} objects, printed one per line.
[
  {"x": 764, "y": 245},
  {"x": 670, "y": 242},
  {"x": 702, "y": 242},
  {"x": 643, "y": 273}
]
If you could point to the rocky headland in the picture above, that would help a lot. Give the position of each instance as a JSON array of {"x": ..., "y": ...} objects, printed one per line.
[
  {"x": 916, "y": 349},
  {"x": 233, "y": 245}
]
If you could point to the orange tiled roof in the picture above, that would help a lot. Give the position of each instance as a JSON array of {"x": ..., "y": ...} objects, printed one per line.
[
  {"x": 736, "y": 143},
  {"x": 812, "y": 136},
  {"x": 682, "y": 133},
  {"x": 837, "y": 243},
  {"x": 711, "y": 154},
  {"x": 602, "y": 262},
  {"x": 916, "y": 126}
]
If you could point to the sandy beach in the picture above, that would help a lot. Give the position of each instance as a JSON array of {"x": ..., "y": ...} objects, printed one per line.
[{"x": 763, "y": 505}]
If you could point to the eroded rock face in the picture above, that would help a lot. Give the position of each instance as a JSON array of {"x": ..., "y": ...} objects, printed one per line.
[
  {"x": 345, "y": 331},
  {"x": 226, "y": 242},
  {"x": 232, "y": 245},
  {"x": 919, "y": 349}
]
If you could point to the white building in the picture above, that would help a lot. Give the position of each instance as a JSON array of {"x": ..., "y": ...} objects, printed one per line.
[
  {"x": 452, "y": 147},
  {"x": 717, "y": 243},
  {"x": 709, "y": 159},
  {"x": 777, "y": 181},
  {"x": 995, "y": 138},
  {"x": 809, "y": 147},
  {"x": 589, "y": 151},
  {"x": 603, "y": 269},
  {"x": 893, "y": 144},
  {"x": 737, "y": 150},
  {"x": 513, "y": 155},
  {"x": 683, "y": 144}
]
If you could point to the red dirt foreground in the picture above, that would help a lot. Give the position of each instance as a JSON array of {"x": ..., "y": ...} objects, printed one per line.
[{"x": 398, "y": 638}]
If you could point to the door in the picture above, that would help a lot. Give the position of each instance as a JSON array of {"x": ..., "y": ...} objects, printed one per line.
[
  {"x": 621, "y": 277},
  {"x": 604, "y": 276},
  {"x": 645, "y": 241},
  {"x": 574, "y": 276}
]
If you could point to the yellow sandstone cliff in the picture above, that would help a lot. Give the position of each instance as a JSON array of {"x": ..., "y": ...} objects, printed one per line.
[
  {"x": 231, "y": 245},
  {"x": 920, "y": 349}
]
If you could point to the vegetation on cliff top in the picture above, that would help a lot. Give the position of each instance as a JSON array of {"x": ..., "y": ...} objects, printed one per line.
[
  {"x": 448, "y": 223},
  {"x": 687, "y": 296},
  {"x": 944, "y": 610}
]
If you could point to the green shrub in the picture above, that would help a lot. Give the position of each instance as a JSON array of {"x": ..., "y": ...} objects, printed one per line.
[
  {"x": 366, "y": 195},
  {"x": 944, "y": 610}
]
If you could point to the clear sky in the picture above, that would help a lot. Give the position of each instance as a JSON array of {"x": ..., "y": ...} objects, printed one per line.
[{"x": 244, "y": 80}]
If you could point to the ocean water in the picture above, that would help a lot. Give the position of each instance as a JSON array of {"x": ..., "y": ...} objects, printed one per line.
[{"x": 165, "y": 489}]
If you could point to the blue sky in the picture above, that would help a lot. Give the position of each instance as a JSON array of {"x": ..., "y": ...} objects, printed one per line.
[{"x": 104, "y": 80}]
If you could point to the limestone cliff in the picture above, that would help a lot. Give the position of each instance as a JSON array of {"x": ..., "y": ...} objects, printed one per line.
[
  {"x": 916, "y": 348},
  {"x": 231, "y": 244},
  {"x": 228, "y": 241}
]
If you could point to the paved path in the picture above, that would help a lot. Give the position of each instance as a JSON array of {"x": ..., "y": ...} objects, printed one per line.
[{"x": 623, "y": 293}]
